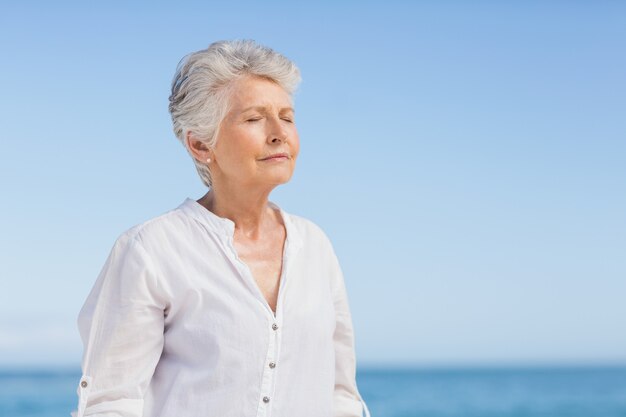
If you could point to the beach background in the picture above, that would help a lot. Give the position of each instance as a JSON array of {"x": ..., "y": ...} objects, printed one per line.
[
  {"x": 389, "y": 392},
  {"x": 467, "y": 159}
]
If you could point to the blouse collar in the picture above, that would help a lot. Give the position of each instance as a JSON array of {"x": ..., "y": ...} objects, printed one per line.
[{"x": 226, "y": 227}]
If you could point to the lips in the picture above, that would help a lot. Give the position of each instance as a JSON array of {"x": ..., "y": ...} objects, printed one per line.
[{"x": 276, "y": 156}]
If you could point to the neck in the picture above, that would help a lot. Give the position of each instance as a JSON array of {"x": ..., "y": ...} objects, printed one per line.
[{"x": 247, "y": 208}]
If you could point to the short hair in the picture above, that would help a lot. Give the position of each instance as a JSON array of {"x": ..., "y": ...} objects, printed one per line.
[{"x": 200, "y": 89}]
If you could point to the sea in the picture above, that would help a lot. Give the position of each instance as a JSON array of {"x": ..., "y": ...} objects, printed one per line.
[{"x": 449, "y": 392}]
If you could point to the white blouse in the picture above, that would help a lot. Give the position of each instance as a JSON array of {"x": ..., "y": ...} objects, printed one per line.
[{"x": 176, "y": 326}]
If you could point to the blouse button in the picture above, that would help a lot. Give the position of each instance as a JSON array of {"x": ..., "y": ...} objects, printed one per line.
[
  {"x": 274, "y": 326},
  {"x": 272, "y": 365},
  {"x": 83, "y": 384},
  {"x": 266, "y": 400}
]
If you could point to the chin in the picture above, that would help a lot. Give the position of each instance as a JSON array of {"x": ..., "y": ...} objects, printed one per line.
[
  {"x": 278, "y": 179},
  {"x": 276, "y": 176}
]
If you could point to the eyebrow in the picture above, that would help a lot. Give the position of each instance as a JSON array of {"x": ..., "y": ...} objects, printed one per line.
[{"x": 264, "y": 108}]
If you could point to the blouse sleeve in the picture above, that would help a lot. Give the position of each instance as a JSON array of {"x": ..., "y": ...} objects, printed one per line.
[
  {"x": 121, "y": 325},
  {"x": 347, "y": 400}
]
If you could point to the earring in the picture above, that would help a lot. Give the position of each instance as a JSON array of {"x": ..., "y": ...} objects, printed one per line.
[{"x": 208, "y": 160}]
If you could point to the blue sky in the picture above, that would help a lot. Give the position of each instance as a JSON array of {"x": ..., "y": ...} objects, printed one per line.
[{"x": 466, "y": 159}]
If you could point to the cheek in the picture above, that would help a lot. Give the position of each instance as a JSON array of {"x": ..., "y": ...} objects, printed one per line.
[
  {"x": 295, "y": 143},
  {"x": 239, "y": 147}
]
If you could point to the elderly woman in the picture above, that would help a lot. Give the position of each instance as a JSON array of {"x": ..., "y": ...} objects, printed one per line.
[{"x": 228, "y": 305}]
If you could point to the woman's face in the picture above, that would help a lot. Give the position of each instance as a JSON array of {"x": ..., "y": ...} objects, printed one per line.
[{"x": 260, "y": 123}]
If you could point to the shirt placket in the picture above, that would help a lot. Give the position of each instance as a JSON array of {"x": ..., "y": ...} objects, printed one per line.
[
  {"x": 268, "y": 380},
  {"x": 273, "y": 326}
]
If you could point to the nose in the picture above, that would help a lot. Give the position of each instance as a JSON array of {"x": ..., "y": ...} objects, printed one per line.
[
  {"x": 278, "y": 139},
  {"x": 276, "y": 132}
]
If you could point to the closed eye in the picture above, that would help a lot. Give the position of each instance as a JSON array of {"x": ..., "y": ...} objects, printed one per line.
[
  {"x": 287, "y": 119},
  {"x": 255, "y": 119}
]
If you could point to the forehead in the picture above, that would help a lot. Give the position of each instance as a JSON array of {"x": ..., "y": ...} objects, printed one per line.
[{"x": 252, "y": 91}]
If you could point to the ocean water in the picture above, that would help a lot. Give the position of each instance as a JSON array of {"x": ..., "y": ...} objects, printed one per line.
[{"x": 546, "y": 392}]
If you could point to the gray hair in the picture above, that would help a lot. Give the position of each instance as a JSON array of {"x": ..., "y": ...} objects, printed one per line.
[{"x": 200, "y": 88}]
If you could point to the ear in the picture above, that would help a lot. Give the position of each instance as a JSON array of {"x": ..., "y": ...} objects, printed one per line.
[{"x": 197, "y": 148}]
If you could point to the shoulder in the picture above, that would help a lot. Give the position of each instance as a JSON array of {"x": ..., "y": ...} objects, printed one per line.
[
  {"x": 307, "y": 226},
  {"x": 168, "y": 226},
  {"x": 312, "y": 234},
  {"x": 317, "y": 249}
]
